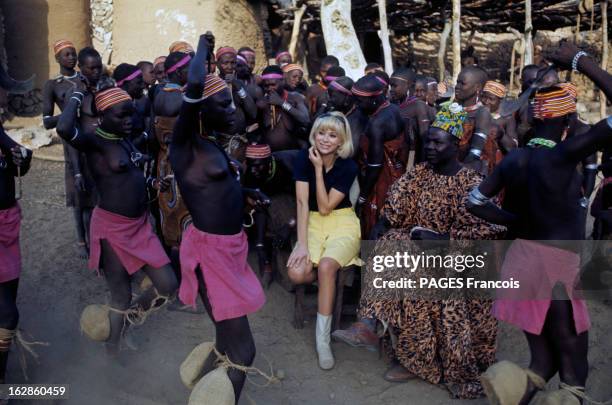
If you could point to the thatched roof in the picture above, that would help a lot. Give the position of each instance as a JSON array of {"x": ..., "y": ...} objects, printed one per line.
[{"x": 481, "y": 15}]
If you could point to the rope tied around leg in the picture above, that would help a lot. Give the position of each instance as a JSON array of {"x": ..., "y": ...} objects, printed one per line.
[
  {"x": 24, "y": 346},
  {"x": 137, "y": 315},
  {"x": 224, "y": 361},
  {"x": 578, "y": 392}
]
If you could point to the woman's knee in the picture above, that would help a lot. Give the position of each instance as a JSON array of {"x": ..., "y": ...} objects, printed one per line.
[
  {"x": 327, "y": 269},
  {"x": 299, "y": 275},
  {"x": 9, "y": 316}
]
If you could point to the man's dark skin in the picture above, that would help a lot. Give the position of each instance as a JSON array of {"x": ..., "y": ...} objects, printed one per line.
[
  {"x": 246, "y": 110},
  {"x": 90, "y": 66},
  {"x": 470, "y": 82},
  {"x": 315, "y": 90},
  {"x": 248, "y": 54},
  {"x": 545, "y": 188},
  {"x": 168, "y": 104},
  {"x": 282, "y": 135},
  {"x": 212, "y": 192},
  {"x": 506, "y": 137},
  {"x": 273, "y": 176},
  {"x": 413, "y": 111},
  {"x": 345, "y": 103},
  {"x": 55, "y": 91},
  {"x": 135, "y": 88},
  {"x": 11, "y": 158},
  {"x": 384, "y": 125},
  {"x": 122, "y": 191},
  {"x": 523, "y": 127}
]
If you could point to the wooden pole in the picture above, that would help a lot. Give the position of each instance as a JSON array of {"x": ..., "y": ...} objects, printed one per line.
[
  {"x": 442, "y": 50},
  {"x": 456, "y": 39},
  {"x": 295, "y": 32},
  {"x": 528, "y": 59},
  {"x": 604, "y": 53},
  {"x": 340, "y": 36},
  {"x": 383, "y": 34}
]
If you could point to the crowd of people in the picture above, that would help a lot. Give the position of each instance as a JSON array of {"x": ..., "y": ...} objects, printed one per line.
[{"x": 169, "y": 162}]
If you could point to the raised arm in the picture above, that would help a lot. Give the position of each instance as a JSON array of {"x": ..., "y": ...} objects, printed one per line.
[
  {"x": 568, "y": 53},
  {"x": 68, "y": 126},
  {"x": 188, "y": 122},
  {"x": 578, "y": 148}
]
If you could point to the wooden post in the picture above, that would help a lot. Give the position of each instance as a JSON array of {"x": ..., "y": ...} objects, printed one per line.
[
  {"x": 442, "y": 49},
  {"x": 295, "y": 32},
  {"x": 340, "y": 37},
  {"x": 604, "y": 53},
  {"x": 528, "y": 59},
  {"x": 456, "y": 39},
  {"x": 383, "y": 34}
]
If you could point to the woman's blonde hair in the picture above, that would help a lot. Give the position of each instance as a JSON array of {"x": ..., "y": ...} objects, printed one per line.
[{"x": 337, "y": 122}]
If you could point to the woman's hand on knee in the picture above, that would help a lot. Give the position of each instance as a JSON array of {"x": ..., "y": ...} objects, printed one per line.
[{"x": 299, "y": 256}]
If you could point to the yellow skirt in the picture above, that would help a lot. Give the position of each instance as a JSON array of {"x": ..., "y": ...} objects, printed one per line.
[{"x": 337, "y": 236}]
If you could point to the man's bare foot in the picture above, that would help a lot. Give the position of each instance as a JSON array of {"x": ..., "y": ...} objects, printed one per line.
[{"x": 82, "y": 250}]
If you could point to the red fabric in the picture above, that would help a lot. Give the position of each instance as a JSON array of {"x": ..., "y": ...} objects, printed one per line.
[
  {"x": 132, "y": 240},
  {"x": 10, "y": 254},
  {"x": 538, "y": 267},
  {"x": 394, "y": 165},
  {"x": 232, "y": 288}
]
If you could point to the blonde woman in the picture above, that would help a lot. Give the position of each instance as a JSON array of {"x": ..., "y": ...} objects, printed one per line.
[{"x": 328, "y": 229}]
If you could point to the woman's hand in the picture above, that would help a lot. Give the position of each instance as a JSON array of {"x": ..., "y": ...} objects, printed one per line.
[
  {"x": 315, "y": 157},
  {"x": 299, "y": 257}
]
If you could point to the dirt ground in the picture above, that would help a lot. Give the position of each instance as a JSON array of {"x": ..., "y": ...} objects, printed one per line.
[{"x": 56, "y": 285}]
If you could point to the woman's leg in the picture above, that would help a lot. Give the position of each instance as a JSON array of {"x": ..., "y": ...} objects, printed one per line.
[
  {"x": 9, "y": 317},
  {"x": 302, "y": 275},
  {"x": 327, "y": 271},
  {"x": 80, "y": 231},
  {"x": 164, "y": 283},
  {"x": 233, "y": 338},
  {"x": 570, "y": 348},
  {"x": 118, "y": 282},
  {"x": 543, "y": 361},
  {"x": 87, "y": 211}
]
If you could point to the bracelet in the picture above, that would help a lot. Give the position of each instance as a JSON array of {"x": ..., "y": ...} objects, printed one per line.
[
  {"x": 286, "y": 106},
  {"x": 476, "y": 152},
  {"x": 476, "y": 198},
  {"x": 591, "y": 166},
  {"x": 481, "y": 135},
  {"x": 78, "y": 100},
  {"x": 361, "y": 199},
  {"x": 242, "y": 93},
  {"x": 577, "y": 57},
  {"x": 78, "y": 175}
]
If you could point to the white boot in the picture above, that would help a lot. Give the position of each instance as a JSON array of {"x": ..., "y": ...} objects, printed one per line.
[{"x": 323, "y": 331}]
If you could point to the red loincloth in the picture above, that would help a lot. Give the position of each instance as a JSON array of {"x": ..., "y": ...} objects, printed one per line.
[
  {"x": 10, "y": 254},
  {"x": 132, "y": 240},
  {"x": 232, "y": 287}
]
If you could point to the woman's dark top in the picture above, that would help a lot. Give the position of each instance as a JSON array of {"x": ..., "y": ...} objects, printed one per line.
[{"x": 340, "y": 177}]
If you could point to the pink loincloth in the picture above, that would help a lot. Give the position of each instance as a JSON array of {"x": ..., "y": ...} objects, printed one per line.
[
  {"x": 232, "y": 287},
  {"x": 538, "y": 268},
  {"x": 132, "y": 240},
  {"x": 10, "y": 255}
]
